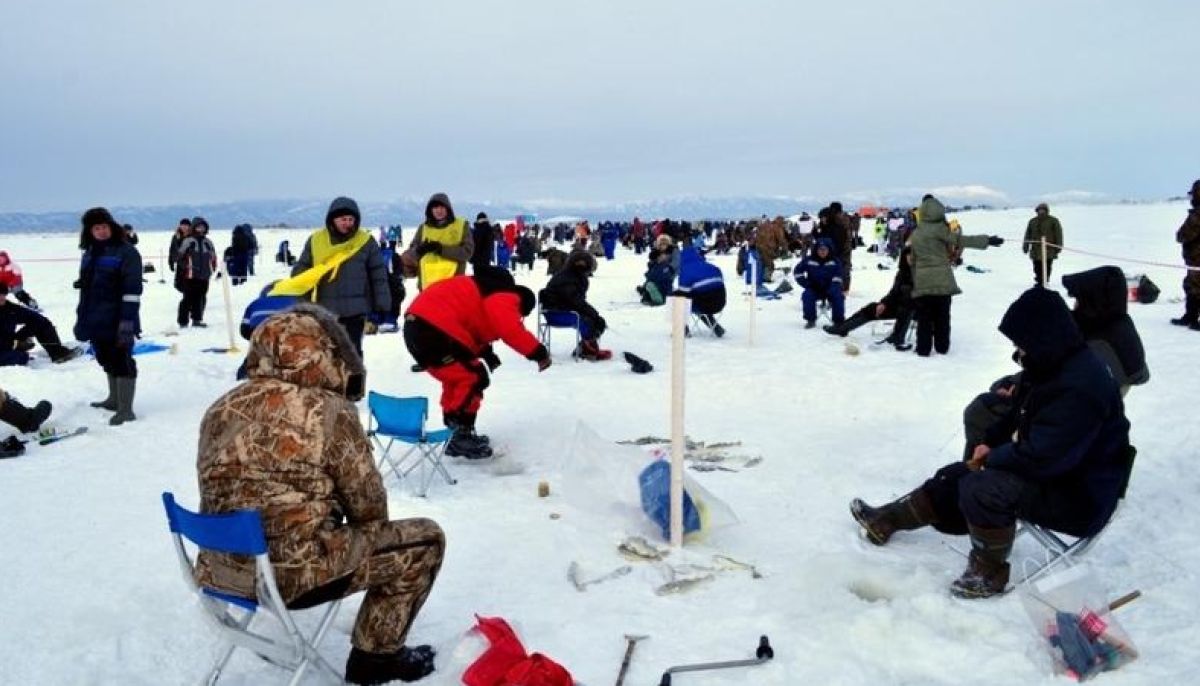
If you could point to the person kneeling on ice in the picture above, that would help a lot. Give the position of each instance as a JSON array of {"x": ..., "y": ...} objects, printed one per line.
[
  {"x": 821, "y": 276},
  {"x": 702, "y": 282},
  {"x": 18, "y": 324},
  {"x": 1059, "y": 459},
  {"x": 449, "y": 330},
  {"x": 897, "y": 304},
  {"x": 288, "y": 442},
  {"x": 567, "y": 292}
]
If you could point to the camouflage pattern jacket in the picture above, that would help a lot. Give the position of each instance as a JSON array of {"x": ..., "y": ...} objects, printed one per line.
[{"x": 288, "y": 442}]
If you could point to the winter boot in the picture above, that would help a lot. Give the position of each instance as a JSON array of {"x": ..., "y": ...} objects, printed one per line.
[
  {"x": 109, "y": 403},
  {"x": 125, "y": 387},
  {"x": 464, "y": 443},
  {"x": 12, "y": 447},
  {"x": 848, "y": 325},
  {"x": 987, "y": 566},
  {"x": 912, "y": 511},
  {"x": 60, "y": 353},
  {"x": 1191, "y": 313},
  {"x": 406, "y": 664},
  {"x": 591, "y": 350},
  {"x": 25, "y": 420},
  {"x": 466, "y": 422},
  {"x": 810, "y": 323}
]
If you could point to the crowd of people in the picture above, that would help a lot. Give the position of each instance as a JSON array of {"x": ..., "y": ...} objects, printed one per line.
[{"x": 1049, "y": 445}]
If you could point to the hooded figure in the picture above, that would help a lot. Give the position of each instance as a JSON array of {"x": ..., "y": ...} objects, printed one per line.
[
  {"x": 567, "y": 292},
  {"x": 449, "y": 329},
  {"x": 933, "y": 247},
  {"x": 484, "y": 242},
  {"x": 1101, "y": 304},
  {"x": 1060, "y": 459},
  {"x": 288, "y": 443},
  {"x": 1046, "y": 226},
  {"x": 441, "y": 246},
  {"x": 108, "y": 313},
  {"x": 196, "y": 262},
  {"x": 341, "y": 269},
  {"x": 702, "y": 282}
]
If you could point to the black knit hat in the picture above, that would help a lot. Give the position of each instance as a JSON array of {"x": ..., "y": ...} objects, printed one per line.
[
  {"x": 198, "y": 222},
  {"x": 481, "y": 216}
]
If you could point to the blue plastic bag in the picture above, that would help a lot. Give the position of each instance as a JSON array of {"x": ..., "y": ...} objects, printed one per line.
[{"x": 655, "y": 485}]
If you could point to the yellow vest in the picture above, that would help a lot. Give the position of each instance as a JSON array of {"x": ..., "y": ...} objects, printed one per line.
[
  {"x": 327, "y": 258},
  {"x": 433, "y": 267}
]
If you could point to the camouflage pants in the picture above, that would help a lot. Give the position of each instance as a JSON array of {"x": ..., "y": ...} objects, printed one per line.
[
  {"x": 397, "y": 577},
  {"x": 1191, "y": 284}
]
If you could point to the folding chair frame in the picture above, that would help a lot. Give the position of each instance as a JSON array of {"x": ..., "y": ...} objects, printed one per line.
[
  {"x": 544, "y": 327},
  {"x": 430, "y": 447},
  {"x": 295, "y": 652}
]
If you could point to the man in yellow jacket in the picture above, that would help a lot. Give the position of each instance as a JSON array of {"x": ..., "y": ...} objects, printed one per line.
[{"x": 442, "y": 246}]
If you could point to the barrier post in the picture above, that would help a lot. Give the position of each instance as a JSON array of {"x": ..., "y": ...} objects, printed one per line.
[{"x": 679, "y": 306}]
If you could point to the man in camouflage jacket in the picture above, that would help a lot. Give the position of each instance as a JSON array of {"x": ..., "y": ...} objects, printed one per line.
[{"x": 288, "y": 442}]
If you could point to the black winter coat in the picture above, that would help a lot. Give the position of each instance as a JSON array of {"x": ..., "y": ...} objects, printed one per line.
[
  {"x": 567, "y": 290},
  {"x": 1101, "y": 311},
  {"x": 1072, "y": 437}
]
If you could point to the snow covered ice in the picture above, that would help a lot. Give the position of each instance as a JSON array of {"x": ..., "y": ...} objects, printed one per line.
[{"x": 91, "y": 591}]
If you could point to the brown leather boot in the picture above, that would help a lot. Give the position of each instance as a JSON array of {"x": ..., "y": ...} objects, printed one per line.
[
  {"x": 912, "y": 511},
  {"x": 987, "y": 569}
]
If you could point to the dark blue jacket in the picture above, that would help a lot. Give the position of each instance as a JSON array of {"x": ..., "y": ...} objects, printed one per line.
[
  {"x": 1101, "y": 304},
  {"x": 1072, "y": 437},
  {"x": 110, "y": 290},
  {"x": 262, "y": 307},
  {"x": 823, "y": 277}
]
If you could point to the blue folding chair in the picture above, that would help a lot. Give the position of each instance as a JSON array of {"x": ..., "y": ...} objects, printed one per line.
[
  {"x": 403, "y": 420},
  {"x": 558, "y": 319},
  {"x": 241, "y": 533}
]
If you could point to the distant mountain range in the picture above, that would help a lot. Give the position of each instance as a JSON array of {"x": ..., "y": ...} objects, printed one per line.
[{"x": 410, "y": 211}]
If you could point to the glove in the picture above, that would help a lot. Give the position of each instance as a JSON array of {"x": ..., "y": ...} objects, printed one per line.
[
  {"x": 995, "y": 241},
  {"x": 544, "y": 364},
  {"x": 126, "y": 334},
  {"x": 428, "y": 247},
  {"x": 601, "y": 326},
  {"x": 489, "y": 358}
]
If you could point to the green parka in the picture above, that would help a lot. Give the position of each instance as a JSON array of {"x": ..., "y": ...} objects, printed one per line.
[
  {"x": 933, "y": 243},
  {"x": 1038, "y": 228}
]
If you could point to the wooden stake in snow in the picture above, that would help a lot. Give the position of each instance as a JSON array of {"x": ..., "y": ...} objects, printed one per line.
[
  {"x": 1045, "y": 275},
  {"x": 679, "y": 307},
  {"x": 224, "y": 277}
]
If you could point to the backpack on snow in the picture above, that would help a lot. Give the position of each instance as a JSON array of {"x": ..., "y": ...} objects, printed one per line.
[{"x": 1147, "y": 292}]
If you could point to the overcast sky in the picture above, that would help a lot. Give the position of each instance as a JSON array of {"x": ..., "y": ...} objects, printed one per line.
[{"x": 148, "y": 102}]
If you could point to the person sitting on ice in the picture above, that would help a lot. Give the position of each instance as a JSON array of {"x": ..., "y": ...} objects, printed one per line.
[
  {"x": 1101, "y": 304},
  {"x": 660, "y": 272},
  {"x": 897, "y": 304},
  {"x": 18, "y": 324},
  {"x": 14, "y": 280},
  {"x": 567, "y": 291},
  {"x": 702, "y": 282},
  {"x": 1058, "y": 460},
  {"x": 820, "y": 274},
  {"x": 288, "y": 443},
  {"x": 449, "y": 329}
]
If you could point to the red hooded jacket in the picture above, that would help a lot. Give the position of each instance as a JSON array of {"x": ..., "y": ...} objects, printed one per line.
[{"x": 477, "y": 316}]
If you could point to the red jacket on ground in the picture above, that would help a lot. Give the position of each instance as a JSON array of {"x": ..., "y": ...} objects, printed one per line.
[{"x": 458, "y": 307}]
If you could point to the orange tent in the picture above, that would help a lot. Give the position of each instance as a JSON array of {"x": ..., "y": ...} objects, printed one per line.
[{"x": 868, "y": 211}]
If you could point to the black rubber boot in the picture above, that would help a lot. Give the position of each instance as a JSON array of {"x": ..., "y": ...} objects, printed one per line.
[
  {"x": 109, "y": 403},
  {"x": 858, "y": 319},
  {"x": 24, "y": 419},
  {"x": 406, "y": 664},
  {"x": 1191, "y": 313},
  {"x": 912, "y": 511},
  {"x": 125, "y": 387},
  {"x": 987, "y": 569}
]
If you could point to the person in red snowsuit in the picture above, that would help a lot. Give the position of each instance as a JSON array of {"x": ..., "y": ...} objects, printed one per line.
[{"x": 449, "y": 330}]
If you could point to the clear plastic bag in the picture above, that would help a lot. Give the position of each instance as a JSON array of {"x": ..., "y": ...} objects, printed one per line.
[{"x": 1069, "y": 609}]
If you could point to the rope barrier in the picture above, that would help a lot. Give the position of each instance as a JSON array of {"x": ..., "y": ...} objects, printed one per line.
[{"x": 1110, "y": 257}]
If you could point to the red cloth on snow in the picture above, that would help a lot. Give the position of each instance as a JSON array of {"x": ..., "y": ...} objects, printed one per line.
[{"x": 505, "y": 662}]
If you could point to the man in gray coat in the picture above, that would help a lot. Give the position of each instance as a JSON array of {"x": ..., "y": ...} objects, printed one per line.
[
  {"x": 1043, "y": 225},
  {"x": 358, "y": 284}
]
